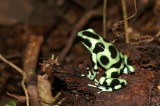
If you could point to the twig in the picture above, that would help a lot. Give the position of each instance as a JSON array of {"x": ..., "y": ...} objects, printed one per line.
[
  {"x": 19, "y": 98},
  {"x": 158, "y": 34},
  {"x": 12, "y": 56},
  {"x": 116, "y": 25},
  {"x": 22, "y": 98},
  {"x": 57, "y": 96},
  {"x": 125, "y": 20},
  {"x": 135, "y": 7},
  {"x": 77, "y": 27},
  {"x": 23, "y": 76},
  {"x": 104, "y": 18},
  {"x": 54, "y": 60},
  {"x": 60, "y": 102}
]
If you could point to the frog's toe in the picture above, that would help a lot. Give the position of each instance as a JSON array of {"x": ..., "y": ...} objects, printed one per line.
[
  {"x": 104, "y": 89},
  {"x": 82, "y": 75},
  {"x": 89, "y": 75},
  {"x": 95, "y": 86},
  {"x": 96, "y": 81}
]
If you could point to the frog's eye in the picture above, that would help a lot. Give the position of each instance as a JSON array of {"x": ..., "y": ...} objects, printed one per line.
[{"x": 90, "y": 34}]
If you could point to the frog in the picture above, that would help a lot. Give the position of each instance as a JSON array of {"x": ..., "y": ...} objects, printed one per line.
[{"x": 109, "y": 58}]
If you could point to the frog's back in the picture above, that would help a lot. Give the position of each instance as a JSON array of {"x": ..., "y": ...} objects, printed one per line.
[{"x": 109, "y": 56}]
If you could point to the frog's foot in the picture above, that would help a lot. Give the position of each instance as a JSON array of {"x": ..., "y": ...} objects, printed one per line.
[
  {"x": 103, "y": 89},
  {"x": 109, "y": 88},
  {"x": 110, "y": 85},
  {"x": 96, "y": 81},
  {"x": 95, "y": 86},
  {"x": 91, "y": 75}
]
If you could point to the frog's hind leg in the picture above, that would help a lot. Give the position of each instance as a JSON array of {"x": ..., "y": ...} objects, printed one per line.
[
  {"x": 110, "y": 85},
  {"x": 109, "y": 81}
]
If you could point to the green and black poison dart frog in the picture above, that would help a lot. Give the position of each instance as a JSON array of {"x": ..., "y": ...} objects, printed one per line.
[{"x": 106, "y": 54}]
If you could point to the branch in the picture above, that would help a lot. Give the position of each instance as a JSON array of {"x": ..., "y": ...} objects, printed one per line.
[{"x": 23, "y": 76}]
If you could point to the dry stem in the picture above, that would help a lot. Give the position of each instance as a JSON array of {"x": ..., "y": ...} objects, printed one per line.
[
  {"x": 125, "y": 20},
  {"x": 104, "y": 18}
]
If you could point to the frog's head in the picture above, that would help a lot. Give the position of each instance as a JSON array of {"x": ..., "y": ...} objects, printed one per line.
[{"x": 88, "y": 38}]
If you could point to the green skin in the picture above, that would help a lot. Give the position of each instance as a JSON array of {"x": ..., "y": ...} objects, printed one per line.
[{"x": 98, "y": 47}]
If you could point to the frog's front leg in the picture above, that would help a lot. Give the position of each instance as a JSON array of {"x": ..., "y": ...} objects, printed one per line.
[
  {"x": 128, "y": 69},
  {"x": 94, "y": 72}
]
